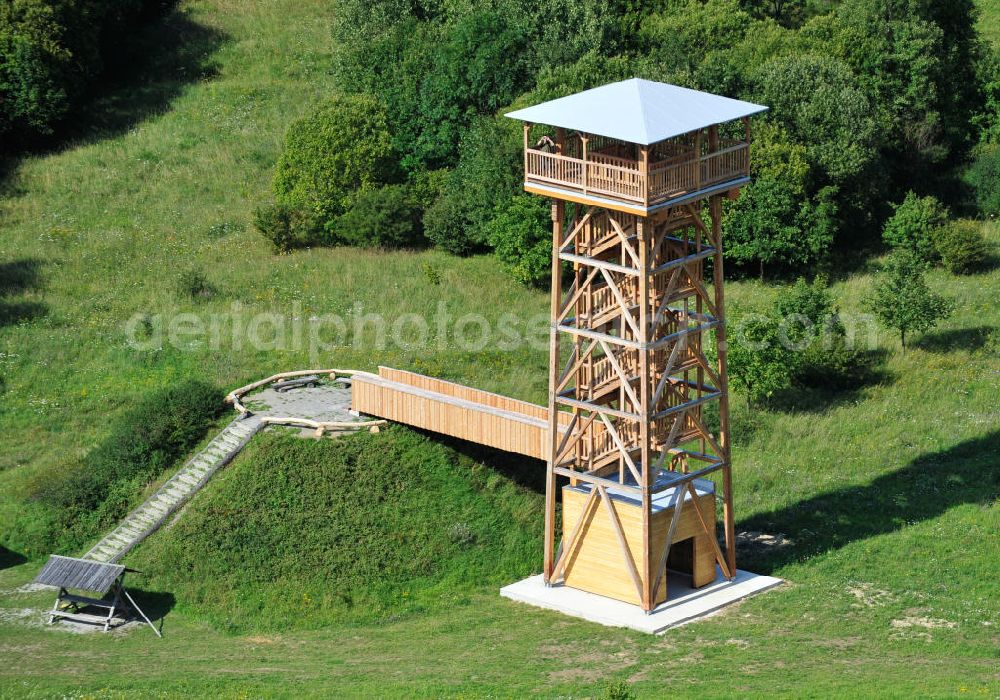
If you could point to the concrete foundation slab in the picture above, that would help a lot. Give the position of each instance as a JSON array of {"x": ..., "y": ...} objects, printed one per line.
[{"x": 684, "y": 604}]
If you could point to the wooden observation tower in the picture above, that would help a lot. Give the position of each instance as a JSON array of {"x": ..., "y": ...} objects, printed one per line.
[{"x": 638, "y": 412}]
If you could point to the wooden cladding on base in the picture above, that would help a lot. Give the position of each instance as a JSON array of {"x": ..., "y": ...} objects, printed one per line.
[{"x": 596, "y": 561}]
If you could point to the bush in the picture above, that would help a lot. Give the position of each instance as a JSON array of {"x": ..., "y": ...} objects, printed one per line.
[
  {"x": 914, "y": 224},
  {"x": 521, "y": 236},
  {"x": 288, "y": 228},
  {"x": 807, "y": 310},
  {"x": 193, "y": 284},
  {"x": 961, "y": 246},
  {"x": 445, "y": 224},
  {"x": 619, "y": 690},
  {"x": 387, "y": 217},
  {"x": 984, "y": 176},
  {"x": 149, "y": 437},
  {"x": 832, "y": 362},
  {"x": 823, "y": 357},
  {"x": 342, "y": 146}
]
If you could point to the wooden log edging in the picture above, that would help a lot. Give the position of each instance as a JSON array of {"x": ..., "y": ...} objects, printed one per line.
[{"x": 234, "y": 397}]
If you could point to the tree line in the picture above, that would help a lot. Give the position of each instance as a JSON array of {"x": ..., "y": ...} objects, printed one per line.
[
  {"x": 52, "y": 52},
  {"x": 870, "y": 100}
]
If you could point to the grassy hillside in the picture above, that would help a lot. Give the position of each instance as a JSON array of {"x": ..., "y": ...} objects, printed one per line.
[
  {"x": 889, "y": 494},
  {"x": 165, "y": 182},
  {"x": 989, "y": 20},
  {"x": 364, "y": 528}
]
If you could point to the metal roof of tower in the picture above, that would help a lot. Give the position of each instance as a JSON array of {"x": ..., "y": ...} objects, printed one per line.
[{"x": 638, "y": 111}]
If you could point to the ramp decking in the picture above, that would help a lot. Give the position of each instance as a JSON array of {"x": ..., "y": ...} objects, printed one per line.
[{"x": 453, "y": 409}]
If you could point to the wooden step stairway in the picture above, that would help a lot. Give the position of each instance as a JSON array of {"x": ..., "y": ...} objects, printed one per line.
[{"x": 175, "y": 492}]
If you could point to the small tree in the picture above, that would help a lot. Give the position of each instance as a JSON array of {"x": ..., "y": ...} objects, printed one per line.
[
  {"x": 521, "y": 236},
  {"x": 757, "y": 359},
  {"x": 902, "y": 300},
  {"x": 914, "y": 224}
]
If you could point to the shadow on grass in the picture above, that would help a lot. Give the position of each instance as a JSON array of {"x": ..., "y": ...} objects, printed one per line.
[
  {"x": 149, "y": 67},
  {"x": 970, "y": 339},
  {"x": 17, "y": 277},
  {"x": 9, "y": 558},
  {"x": 522, "y": 470},
  {"x": 925, "y": 488},
  {"x": 156, "y": 604},
  {"x": 818, "y": 393}
]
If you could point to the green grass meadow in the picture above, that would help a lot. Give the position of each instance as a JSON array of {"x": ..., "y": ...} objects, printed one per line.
[{"x": 888, "y": 493}]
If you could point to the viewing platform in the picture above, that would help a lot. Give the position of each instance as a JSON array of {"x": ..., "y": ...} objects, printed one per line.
[
  {"x": 628, "y": 147},
  {"x": 678, "y": 169}
]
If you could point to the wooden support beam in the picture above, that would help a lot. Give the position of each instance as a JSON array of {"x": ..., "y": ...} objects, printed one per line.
[
  {"x": 558, "y": 216},
  {"x": 727, "y": 570},
  {"x": 715, "y": 211},
  {"x": 569, "y": 547},
  {"x": 622, "y": 542}
]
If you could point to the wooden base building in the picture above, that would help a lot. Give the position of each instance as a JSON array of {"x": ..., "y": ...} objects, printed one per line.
[{"x": 638, "y": 420}]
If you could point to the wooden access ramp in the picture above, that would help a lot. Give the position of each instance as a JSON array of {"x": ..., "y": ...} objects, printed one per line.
[{"x": 453, "y": 409}]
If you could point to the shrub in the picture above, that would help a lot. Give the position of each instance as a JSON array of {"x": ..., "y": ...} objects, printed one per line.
[
  {"x": 619, "y": 690},
  {"x": 431, "y": 273},
  {"x": 342, "y": 146},
  {"x": 287, "y": 227},
  {"x": 142, "y": 442},
  {"x": 961, "y": 246},
  {"x": 832, "y": 362},
  {"x": 386, "y": 217},
  {"x": 913, "y": 225},
  {"x": 445, "y": 224},
  {"x": 521, "y": 236},
  {"x": 192, "y": 283},
  {"x": 984, "y": 176},
  {"x": 806, "y": 309},
  {"x": 823, "y": 357}
]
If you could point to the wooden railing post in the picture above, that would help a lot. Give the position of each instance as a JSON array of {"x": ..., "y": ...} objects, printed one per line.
[
  {"x": 527, "y": 128},
  {"x": 586, "y": 166},
  {"x": 746, "y": 137},
  {"x": 697, "y": 160},
  {"x": 713, "y": 147},
  {"x": 644, "y": 175}
]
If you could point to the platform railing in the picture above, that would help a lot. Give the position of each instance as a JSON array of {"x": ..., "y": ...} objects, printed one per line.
[{"x": 625, "y": 180}]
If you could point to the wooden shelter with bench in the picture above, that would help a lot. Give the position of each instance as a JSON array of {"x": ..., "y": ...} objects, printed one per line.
[{"x": 103, "y": 581}]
